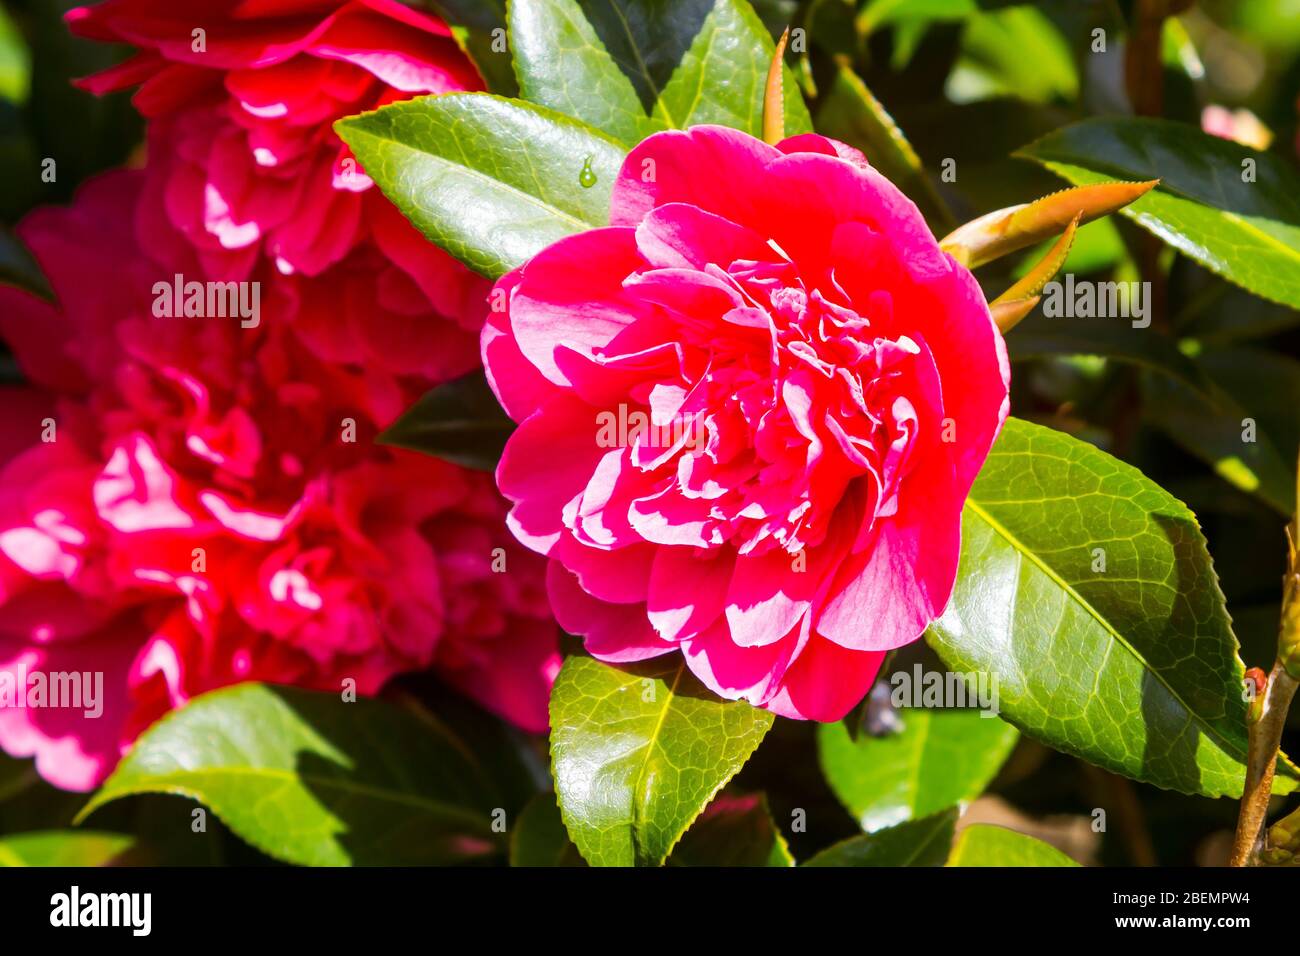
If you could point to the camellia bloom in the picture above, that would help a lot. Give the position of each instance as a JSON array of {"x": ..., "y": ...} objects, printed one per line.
[
  {"x": 241, "y": 95},
  {"x": 186, "y": 502},
  {"x": 751, "y": 410}
]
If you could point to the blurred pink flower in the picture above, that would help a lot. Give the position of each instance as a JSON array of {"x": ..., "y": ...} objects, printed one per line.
[
  {"x": 241, "y": 96},
  {"x": 750, "y": 410},
  {"x": 201, "y": 517},
  {"x": 1239, "y": 125}
]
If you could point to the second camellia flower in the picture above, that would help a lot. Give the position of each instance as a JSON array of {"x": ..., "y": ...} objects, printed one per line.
[{"x": 811, "y": 386}]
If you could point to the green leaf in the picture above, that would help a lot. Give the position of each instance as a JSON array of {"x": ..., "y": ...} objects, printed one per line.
[
  {"x": 307, "y": 778},
  {"x": 1039, "y": 336},
  {"x": 722, "y": 75},
  {"x": 1221, "y": 313},
  {"x": 1017, "y": 51},
  {"x": 1257, "y": 392},
  {"x": 492, "y": 181},
  {"x": 878, "y": 13},
  {"x": 638, "y": 752},
  {"x": 735, "y": 830},
  {"x": 473, "y": 23},
  {"x": 849, "y": 113},
  {"x": 983, "y": 844},
  {"x": 1135, "y": 667},
  {"x": 940, "y": 759},
  {"x": 633, "y": 68},
  {"x": 732, "y": 831},
  {"x": 17, "y": 267},
  {"x": 1266, "y": 384},
  {"x": 922, "y": 842},
  {"x": 15, "y": 61},
  {"x": 539, "y": 837},
  {"x": 459, "y": 421},
  {"x": 562, "y": 63},
  {"x": 832, "y": 29},
  {"x": 1246, "y": 231},
  {"x": 63, "y": 848}
]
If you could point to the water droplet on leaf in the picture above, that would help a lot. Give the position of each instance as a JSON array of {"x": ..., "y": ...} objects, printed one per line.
[{"x": 586, "y": 178}]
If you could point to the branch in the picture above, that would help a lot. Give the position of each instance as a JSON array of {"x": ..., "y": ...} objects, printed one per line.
[{"x": 1268, "y": 716}]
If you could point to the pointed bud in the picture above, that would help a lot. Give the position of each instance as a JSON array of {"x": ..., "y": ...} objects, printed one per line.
[
  {"x": 1033, "y": 281},
  {"x": 1007, "y": 230},
  {"x": 774, "y": 95},
  {"x": 1007, "y": 312},
  {"x": 1255, "y": 706}
]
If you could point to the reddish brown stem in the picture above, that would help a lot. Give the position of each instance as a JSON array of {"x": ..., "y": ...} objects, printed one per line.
[{"x": 1261, "y": 760}]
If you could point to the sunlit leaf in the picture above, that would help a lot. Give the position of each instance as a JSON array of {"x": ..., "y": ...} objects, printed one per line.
[
  {"x": 1086, "y": 591},
  {"x": 638, "y": 752},
  {"x": 984, "y": 845}
]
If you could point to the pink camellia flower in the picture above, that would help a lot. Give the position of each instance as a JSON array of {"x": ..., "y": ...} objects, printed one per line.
[
  {"x": 750, "y": 410},
  {"x": 241, "y": 95},
  {"x": 186, "y": 503}
]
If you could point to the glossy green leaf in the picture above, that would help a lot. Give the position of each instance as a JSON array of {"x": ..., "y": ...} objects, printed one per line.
[
  {"x": 491, "y": 180},
  {"x": 849, "y": 113},
  {"x": 923, "y": 842},
  {"x": 982, "y": 844},
  {"x": 1086, "y": 590},
  {"x": 735, "y": 830},
  {"x": 1245, "y": 229},
  {"x": 538, "y": 838},
  {"x": 459, "y": 421},
  {"x": 307, "y": 778},
  {"x": 939, "y": 759},
  {"x": 732, "y": 831},
  {"x": 63, "y": 848},
  {"x": 638, "y": 752},
  {"x": 562, "y": 63},
  {"x": 633, "y": 68},
  {"x": 722, "y": 74}
]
